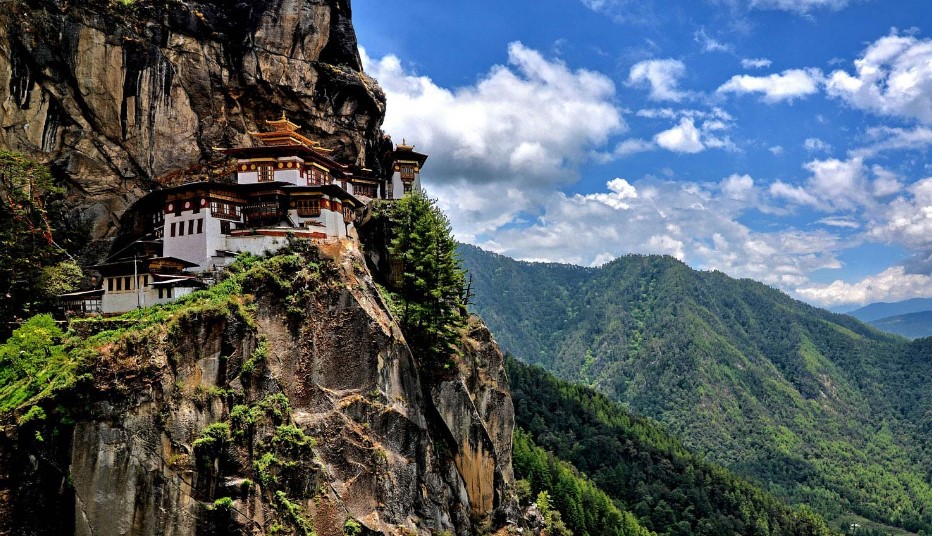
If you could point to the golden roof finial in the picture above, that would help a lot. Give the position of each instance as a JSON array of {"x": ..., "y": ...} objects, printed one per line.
[{"x": 403, "y": 146}]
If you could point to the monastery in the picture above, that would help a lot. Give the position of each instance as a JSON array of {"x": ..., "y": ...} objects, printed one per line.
[{"x": 285, "y": 186}]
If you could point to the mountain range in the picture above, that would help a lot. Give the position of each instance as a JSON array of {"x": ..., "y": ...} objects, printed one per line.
[
  {"x": 817, "y": 407},
  {"x": 909, "y": 318}
]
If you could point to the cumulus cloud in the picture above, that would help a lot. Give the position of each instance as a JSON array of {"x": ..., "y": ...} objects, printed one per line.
[
  {"x": 907, "y": 219},
  {"x": 695, "y": 222},
  {"x": 893, "y": 77},
  {"x": 755, "y": 63},
  {"x": 687, "y": 138},
  {"x": 619, "y": 195},
  {"x": 786, "y": 86},
  {"x": 776, "y": 150},
  {"x": 893, "y": 284},
  {"x": 683, "y": 138},
  {"x": 739, "y": 187},
  {"x": 836, "y": 186},
  {"x": 524, "y": 126},
  {"x": 661, "y": 76}
]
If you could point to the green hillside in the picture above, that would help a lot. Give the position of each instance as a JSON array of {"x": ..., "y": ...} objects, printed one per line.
[
  {"x": 670, "y": 490},
  {"x": 817, "y": 407}
]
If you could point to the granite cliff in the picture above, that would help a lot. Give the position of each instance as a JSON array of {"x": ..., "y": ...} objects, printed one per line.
[
  {"x": 119, "y": 96},
  {"x": 285, "y": 398}
]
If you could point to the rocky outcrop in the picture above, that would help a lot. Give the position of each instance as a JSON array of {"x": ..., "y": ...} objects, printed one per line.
[
  {"x": 115, "y": 94},
  {"x": 291, "y": 397}
]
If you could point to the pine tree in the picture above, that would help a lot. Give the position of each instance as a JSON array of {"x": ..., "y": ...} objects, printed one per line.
[{"x": 433, "y": 282}]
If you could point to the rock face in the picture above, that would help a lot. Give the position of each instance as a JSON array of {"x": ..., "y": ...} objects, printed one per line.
[
  {"x": 114, "y": 95},
  {"x": 309, "y": 350}
]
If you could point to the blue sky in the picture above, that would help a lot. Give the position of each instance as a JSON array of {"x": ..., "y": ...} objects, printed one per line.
[{"x": 782, "y": 140}]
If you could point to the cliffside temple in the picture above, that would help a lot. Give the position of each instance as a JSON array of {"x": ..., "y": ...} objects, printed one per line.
[{"x": 285, "y": 185}]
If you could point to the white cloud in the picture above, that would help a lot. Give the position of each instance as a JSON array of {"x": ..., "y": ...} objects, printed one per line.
[
  {"x": 907, "y": 219},
  {"x": 886, "y": 183},
  {"x": 524, "y": 127},
  {"x": 619, "y": 196},
  {"x": 755, "y": 63},
  {"x": 662, "y": 76},
  {"x": 893, "y": 139},
  {"x": 815, "y": 144},
  {"x": 798, "y": 6},
  {"x": 893, "y": 77},
  {"x": 787, "y": 86},
  {"x": 691, "y": 221},
  {"x": 777, "y": 150},
  {"x": 893, "y": 284},
  {"x": 683, "y": 138},
  {"x": 709, "y": 44},
  {"x": 632, "y": 146},
  {"x": 793, "y": 194},
  {"x": 624, "y": 11},
  {"x": 839, "y": 186},
  {"x": 739, "y": 187},
  {"x": 843, "y": 222}
]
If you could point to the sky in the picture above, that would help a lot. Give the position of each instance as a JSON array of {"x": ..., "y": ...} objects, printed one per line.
[{"x": 785, "y": 141}]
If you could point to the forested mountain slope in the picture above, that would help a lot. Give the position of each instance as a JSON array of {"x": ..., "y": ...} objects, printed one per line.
[
  {"x": 818, "y": 407},
  {"x": 669, "y": 489}
]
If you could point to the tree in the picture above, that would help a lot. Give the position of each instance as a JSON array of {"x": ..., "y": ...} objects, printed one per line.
[
  {"x": 432, "y": 288},
  {"x": 33, "y": 267}
]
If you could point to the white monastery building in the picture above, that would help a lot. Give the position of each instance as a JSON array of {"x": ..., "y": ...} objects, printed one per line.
[{"x": 285, "y": 186}]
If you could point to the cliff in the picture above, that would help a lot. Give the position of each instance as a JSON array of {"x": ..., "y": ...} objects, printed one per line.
[
  {"x": 116, "y": 96},
  {"x": 284, "y": 399}
]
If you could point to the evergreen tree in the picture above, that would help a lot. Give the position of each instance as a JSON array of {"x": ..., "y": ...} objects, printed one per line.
[{"x": 432, "y": 280}]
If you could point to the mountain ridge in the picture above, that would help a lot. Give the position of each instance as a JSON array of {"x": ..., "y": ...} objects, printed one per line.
[{"x": 814, "y": 405}]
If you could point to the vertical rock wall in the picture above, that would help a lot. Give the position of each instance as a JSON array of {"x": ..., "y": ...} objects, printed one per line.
[{"x": 115, "y": 95}]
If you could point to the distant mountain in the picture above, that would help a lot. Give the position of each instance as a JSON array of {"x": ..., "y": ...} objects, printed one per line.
[
  {"x": 818, "y": 407},
  {"x": 880, "y": 310},
  {"x": 912, "y": 325}
]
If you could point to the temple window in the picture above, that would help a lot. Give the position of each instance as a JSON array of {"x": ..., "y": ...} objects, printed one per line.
[
  {"x": 110, "y": 284},
  {"x": 190, "y": 227},
  {"x": 225, "y": 227},
  {"x": 173, "y": 229},
  {"x": 407, "y": 186},
  {"x": 200, "y": 225},
  {"x": 348, "y": 214},
  {"x": 266, "y": 173},
  {"x": 407, "y": 172},
  {"x": 126, "y": 283},
  {"x": 308, "y": 208},
  {"x": 119, "y": 284},
  {"x": 365, "y": 190}
]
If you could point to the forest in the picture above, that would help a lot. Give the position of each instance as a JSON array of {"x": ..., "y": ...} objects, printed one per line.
[{"x": 816, "y": 407}]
